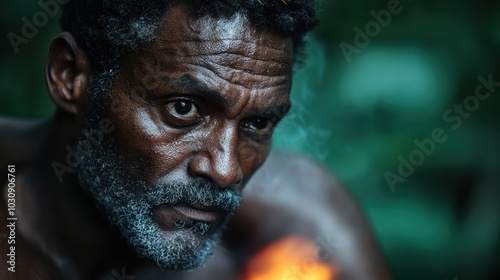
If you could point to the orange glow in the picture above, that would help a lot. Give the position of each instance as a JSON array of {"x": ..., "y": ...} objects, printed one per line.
[{"x": 291, "y": 258}]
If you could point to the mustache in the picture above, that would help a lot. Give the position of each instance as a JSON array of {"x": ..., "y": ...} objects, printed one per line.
[{"x": 193, "y": 192}]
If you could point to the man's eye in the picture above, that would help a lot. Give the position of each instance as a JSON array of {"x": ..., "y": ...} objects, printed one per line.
[
  {"x": 182, "y": 113},
  {"x": 260, "y": 125},
  {"x": 184, "y": 109}
]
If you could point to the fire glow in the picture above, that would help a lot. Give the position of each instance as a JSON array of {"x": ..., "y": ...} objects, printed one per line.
[{"x": 291, "y": 258}]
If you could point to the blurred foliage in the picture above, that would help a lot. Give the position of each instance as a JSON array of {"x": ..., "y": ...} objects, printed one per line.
[{"x": 357, "y": 115}]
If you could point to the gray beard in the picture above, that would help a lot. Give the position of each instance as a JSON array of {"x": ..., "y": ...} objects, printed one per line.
[{"x": 127, "y": 202}]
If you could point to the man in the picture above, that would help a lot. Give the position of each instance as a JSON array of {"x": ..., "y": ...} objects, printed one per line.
[{"x": 165, "y": 110}]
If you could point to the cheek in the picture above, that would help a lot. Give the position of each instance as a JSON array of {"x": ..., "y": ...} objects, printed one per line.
[
  {"x": 149, "y": 148},
  {"x": 252, "y": 157}
]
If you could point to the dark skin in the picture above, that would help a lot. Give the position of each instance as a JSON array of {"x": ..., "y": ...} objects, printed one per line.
[{"x": 210, "y": 116}]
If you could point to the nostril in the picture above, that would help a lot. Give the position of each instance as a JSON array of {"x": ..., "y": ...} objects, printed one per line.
[
  {"x": 238, "y": 180},
  {"x": 229, "y": 177},
  {"x": 240, "y": 177}
]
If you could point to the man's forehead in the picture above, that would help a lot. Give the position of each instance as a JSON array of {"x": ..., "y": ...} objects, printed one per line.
[
  {"x": 223, "y": 55},
  {"x": 180, "y": 25}
]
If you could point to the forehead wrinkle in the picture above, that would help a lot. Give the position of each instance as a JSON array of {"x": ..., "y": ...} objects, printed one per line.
[
  {"x": 241, "y": 71},
  {"x": 165, "y": 43},
  {"x": 282, "y": 57},
  {"x": 267, "y": 66},
  {"x": 145, "y": 66},
  {"x": 239, "y": 62},
  {"x": 262, "y": 81},
  {"x": 243, "y": 56}
]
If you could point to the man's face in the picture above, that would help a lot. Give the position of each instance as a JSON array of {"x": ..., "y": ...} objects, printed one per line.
[{"x": 194, "y": 117}]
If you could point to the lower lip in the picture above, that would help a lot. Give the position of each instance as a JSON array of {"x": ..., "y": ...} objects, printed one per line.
[{"x": 196, "y": 214}]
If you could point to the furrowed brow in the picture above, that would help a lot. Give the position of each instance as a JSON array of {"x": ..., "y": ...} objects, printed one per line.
[
  {"x": 189, "y": 83},
  {"x": 275, "y": 113}
]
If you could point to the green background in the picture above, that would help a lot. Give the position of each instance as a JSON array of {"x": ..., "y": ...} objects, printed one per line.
[{"x": 359, "y": 113}]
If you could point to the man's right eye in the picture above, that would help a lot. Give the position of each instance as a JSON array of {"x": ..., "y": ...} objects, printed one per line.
[{"x": 182, "y": 113}]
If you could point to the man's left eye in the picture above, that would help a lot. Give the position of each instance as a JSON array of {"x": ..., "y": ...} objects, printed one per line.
[
  {"x": 182, "y": 113},
  {"x": 260, "y": 125}
]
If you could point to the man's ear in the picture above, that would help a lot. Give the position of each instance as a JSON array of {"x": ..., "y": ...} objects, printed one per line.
[{"x": 67, "y": 73}]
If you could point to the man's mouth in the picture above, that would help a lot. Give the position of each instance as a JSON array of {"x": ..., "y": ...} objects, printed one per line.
[
  {"x": 167, "y": 215},
  {"x": 198, "y": 212}
]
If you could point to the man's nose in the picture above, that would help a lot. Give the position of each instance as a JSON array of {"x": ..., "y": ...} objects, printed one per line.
[{"x": 217, "y": 159}]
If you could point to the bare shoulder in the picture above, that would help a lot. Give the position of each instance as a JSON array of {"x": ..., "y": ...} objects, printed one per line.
[
  {"x": 18, "y": 140},
  {"x": 294, "y": 194},
  {"x": 22, "y": 261},
  {"x": 284, "y": 176},
  {"x": 19, "y": 259},
  {"x": 292, "y": 181}
]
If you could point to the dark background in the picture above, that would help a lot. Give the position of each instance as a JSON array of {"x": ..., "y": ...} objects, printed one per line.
[{"x": 359, "y": 113}]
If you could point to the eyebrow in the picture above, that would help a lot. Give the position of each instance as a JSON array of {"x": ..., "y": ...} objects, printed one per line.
[
  {"x": 191, "y": 84},
  {"x": 275, "y": 113}
]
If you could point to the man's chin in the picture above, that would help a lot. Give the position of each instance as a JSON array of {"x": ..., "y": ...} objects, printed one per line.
[{"x": 179, "y": 249}]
